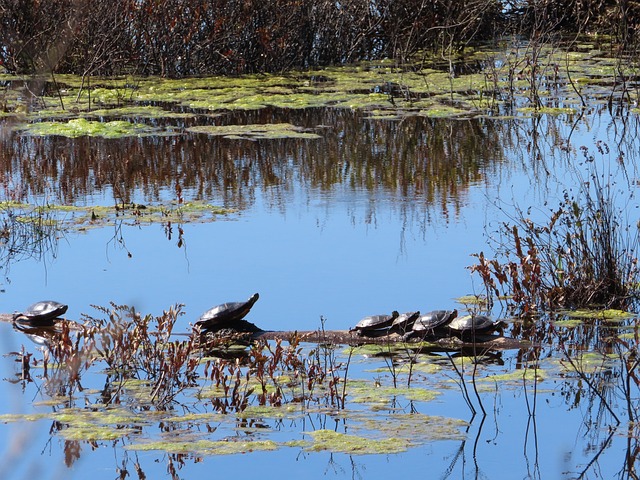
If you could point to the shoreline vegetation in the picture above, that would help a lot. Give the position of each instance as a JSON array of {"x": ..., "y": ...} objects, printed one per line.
[{"x": 222, "y": 37}]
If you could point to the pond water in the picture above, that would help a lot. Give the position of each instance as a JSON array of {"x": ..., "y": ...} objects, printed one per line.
[{"x": 368, "y": 216}]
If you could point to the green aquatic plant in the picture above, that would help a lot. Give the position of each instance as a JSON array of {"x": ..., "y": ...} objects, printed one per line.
[
  {"x": 254, "y": 132},
  {"x": 81, "y": 127}
]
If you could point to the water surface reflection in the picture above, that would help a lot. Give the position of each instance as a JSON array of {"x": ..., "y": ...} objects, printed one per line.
[{"x": 374, "y": 215}]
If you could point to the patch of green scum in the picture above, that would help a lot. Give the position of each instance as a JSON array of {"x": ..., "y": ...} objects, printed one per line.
[
  {"x": 471, "y": 300},
  {"x": 94, "y": 432},
  {"x": 47, "y": 222},
  {"x": 206, "y": 447},
  {"x": 137, "y": 111},
  {"x": 355, "y": 445},
  {"x": 373, "y": 350},
  {"x": 81, "y": 217},
  {"x": 628, "y": 336},
  {"x": 26, "y": 417},
  {"x": 547, "y": 110},
  {"x": 568, "y": 323},
  {"x": 590, "y": 362},
  {"x": 86, "y": 418},
  {"x": 517, "y": 376},
  {"x": 195, "y": 418},
  {"x": 442, "y": 111},
  {"x": 610, "y": 314},
  {"x": 82, "y": 127},
  {"x": 418, "y": 428},
  {"x": 427, "y": 368},
  {"x": 288, "y": 411},
  {"x": 367, "y": 392},
  {"x": 359, "y": 86},
  {"x": 256, "y": 131},
  {"x": 376, "y": 114}
]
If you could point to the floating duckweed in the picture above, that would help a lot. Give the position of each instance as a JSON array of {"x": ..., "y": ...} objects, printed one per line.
[
  {"x": 18, "y": 417},
  {"x": 519, "y": 376},
  {"x": 253, "y": 132},
  {"x": 81, "y": 127},
  {"x": 354, "y": 445},
  {"x": 207, "y": 447},
  {"x": 472, "y": 300},
  {"x": 289, "y": 410},
  {"x": 387, "y": 90},
  {"x": 610, "y": 314},
  {"x": 369, "y": 393},
  {"x": 572, "y": 323},
  {"x": 418, "y": 428},
  {"x": 590, "y": 362},
  {"x": 94, "y": 432}
]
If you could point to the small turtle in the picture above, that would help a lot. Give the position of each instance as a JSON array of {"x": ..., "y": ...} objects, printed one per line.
[
  {"x": 41, "y": 313},
  {"x": 470, "y": 325},
  {"x": 404, "y": 322},
  {"x": 226, "y": 315},
  {"x": 428, "y": 323},
  {"x": 375, "y": 325}
]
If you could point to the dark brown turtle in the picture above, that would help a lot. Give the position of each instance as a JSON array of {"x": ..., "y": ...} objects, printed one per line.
[
  {"x": 430, "y": 322},
  {"x": 41, "y": 313},
  {"x": 226, "y": 315},
  {"x": 404, "y": 322},
  {"x": 375, "y": 325},
  {"x": 470, "y": 325}
]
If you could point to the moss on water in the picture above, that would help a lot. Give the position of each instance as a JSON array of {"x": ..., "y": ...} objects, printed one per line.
[
  {"x": 609, "y": 314},
  {"x": 206, "y": 447},
  {"x": 81, "y": 127},
  {"x": 385, "y": 89},
  {"x": 254, "y": 132},
  {"x": 83, "y": 217},
  {"x": 374, "y": 394},
  {"x": 355, "y": 445}
]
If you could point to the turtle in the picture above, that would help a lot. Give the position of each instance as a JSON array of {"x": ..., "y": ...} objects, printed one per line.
[
  {"x": 375, "y": 325},
  {"x": 41, "y": 313},
  {"x": 469, "y": 325},
  {"x": 404, "y": 322},
  {"x": 226, "y": 315},
  {"x": 428, "y": 323}
]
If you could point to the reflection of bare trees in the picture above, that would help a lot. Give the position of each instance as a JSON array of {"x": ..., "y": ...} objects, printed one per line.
[
  {"x": 27, "y": 233},
  {"x": 425, "y": 161}
]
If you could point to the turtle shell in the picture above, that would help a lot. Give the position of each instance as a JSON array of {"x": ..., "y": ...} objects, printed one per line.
[
  {"x": 405, "y": 321},
  {"x": 433, "y": 320},
  {"x": 375, "y": 322},
  {"x": 472, "y": 324},
  {"x": 41, "y": 313},
  {"x": 223, "y": 315}
]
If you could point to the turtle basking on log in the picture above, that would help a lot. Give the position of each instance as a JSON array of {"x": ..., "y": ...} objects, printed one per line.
[
  {"x": 429, "y": 323},
  {"x": 228, "y": 316},
  {"x": 41, "y": 314},
  {"x": 375, "y": 325},
  {"x": 472, "y": 325}
]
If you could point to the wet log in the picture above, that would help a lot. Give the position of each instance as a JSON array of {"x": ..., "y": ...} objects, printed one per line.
[
  {"x": 436, "y": 343},
  {"x": 346, "y": 337}
]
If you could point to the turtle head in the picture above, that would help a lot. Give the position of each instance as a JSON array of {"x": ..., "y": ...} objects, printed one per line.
[{"x": 254, "y": 298}]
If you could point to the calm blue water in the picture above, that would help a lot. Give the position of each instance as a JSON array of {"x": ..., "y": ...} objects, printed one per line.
[{"x": 340, "y": 253}]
